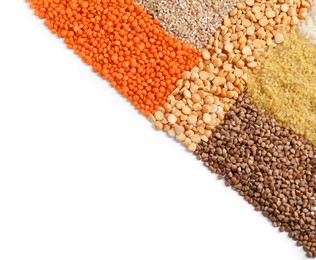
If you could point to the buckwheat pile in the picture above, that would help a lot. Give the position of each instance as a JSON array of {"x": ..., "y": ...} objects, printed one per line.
[{"x": 271, "y": 167}]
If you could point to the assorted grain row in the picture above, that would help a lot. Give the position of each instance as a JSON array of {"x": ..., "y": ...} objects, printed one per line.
[
  {"x": 222, "y": 73},
  {"x": 193, "y": 21},
  {"x": 122, "y": 43},
  {"x": 271, "y": 167},
  {"x": 284, "y": 84},
  {"x": 192, "y": 97}
]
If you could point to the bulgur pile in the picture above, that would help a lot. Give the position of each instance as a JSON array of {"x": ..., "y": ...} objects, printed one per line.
[{"x": 284, "y": 84}]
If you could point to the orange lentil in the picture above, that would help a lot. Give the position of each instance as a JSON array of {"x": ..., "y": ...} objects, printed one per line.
[{"x": 123, "y": 44}]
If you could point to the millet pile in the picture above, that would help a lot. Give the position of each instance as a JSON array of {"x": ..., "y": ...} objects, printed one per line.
[
  {"x": 284, "y": 84},
  {"x": 123, "y": 44},
  {"x": 272, "y": 168},
  {"x": 192, "y": 21},
  {"x": 222, "y": 72}
]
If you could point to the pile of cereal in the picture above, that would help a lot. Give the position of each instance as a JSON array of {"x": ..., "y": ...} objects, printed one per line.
[{"x": 284, "y": 84}]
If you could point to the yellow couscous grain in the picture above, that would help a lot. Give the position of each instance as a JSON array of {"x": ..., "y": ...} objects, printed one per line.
[{"x": 284, "y": 84}]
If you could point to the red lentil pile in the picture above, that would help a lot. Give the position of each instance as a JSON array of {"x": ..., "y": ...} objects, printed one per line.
[{"x": 123, "y": 44}]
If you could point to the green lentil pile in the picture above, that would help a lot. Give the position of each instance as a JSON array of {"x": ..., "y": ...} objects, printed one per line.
[{"x": 284, "y": 84}]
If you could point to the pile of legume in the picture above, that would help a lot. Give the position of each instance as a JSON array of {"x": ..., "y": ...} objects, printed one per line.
[
  {"x": 123, "y": 44},
  {"x": 284, "y": 84},
  {"x": 192, "y": 21},
  {"x": 272, "y": 168}
]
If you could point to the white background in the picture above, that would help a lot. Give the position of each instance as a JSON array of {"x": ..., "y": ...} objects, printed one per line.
[{"x": 84, "y": 176}]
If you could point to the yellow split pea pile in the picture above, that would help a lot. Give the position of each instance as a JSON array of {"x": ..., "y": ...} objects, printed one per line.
[{"x": 204, "y": 94}]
